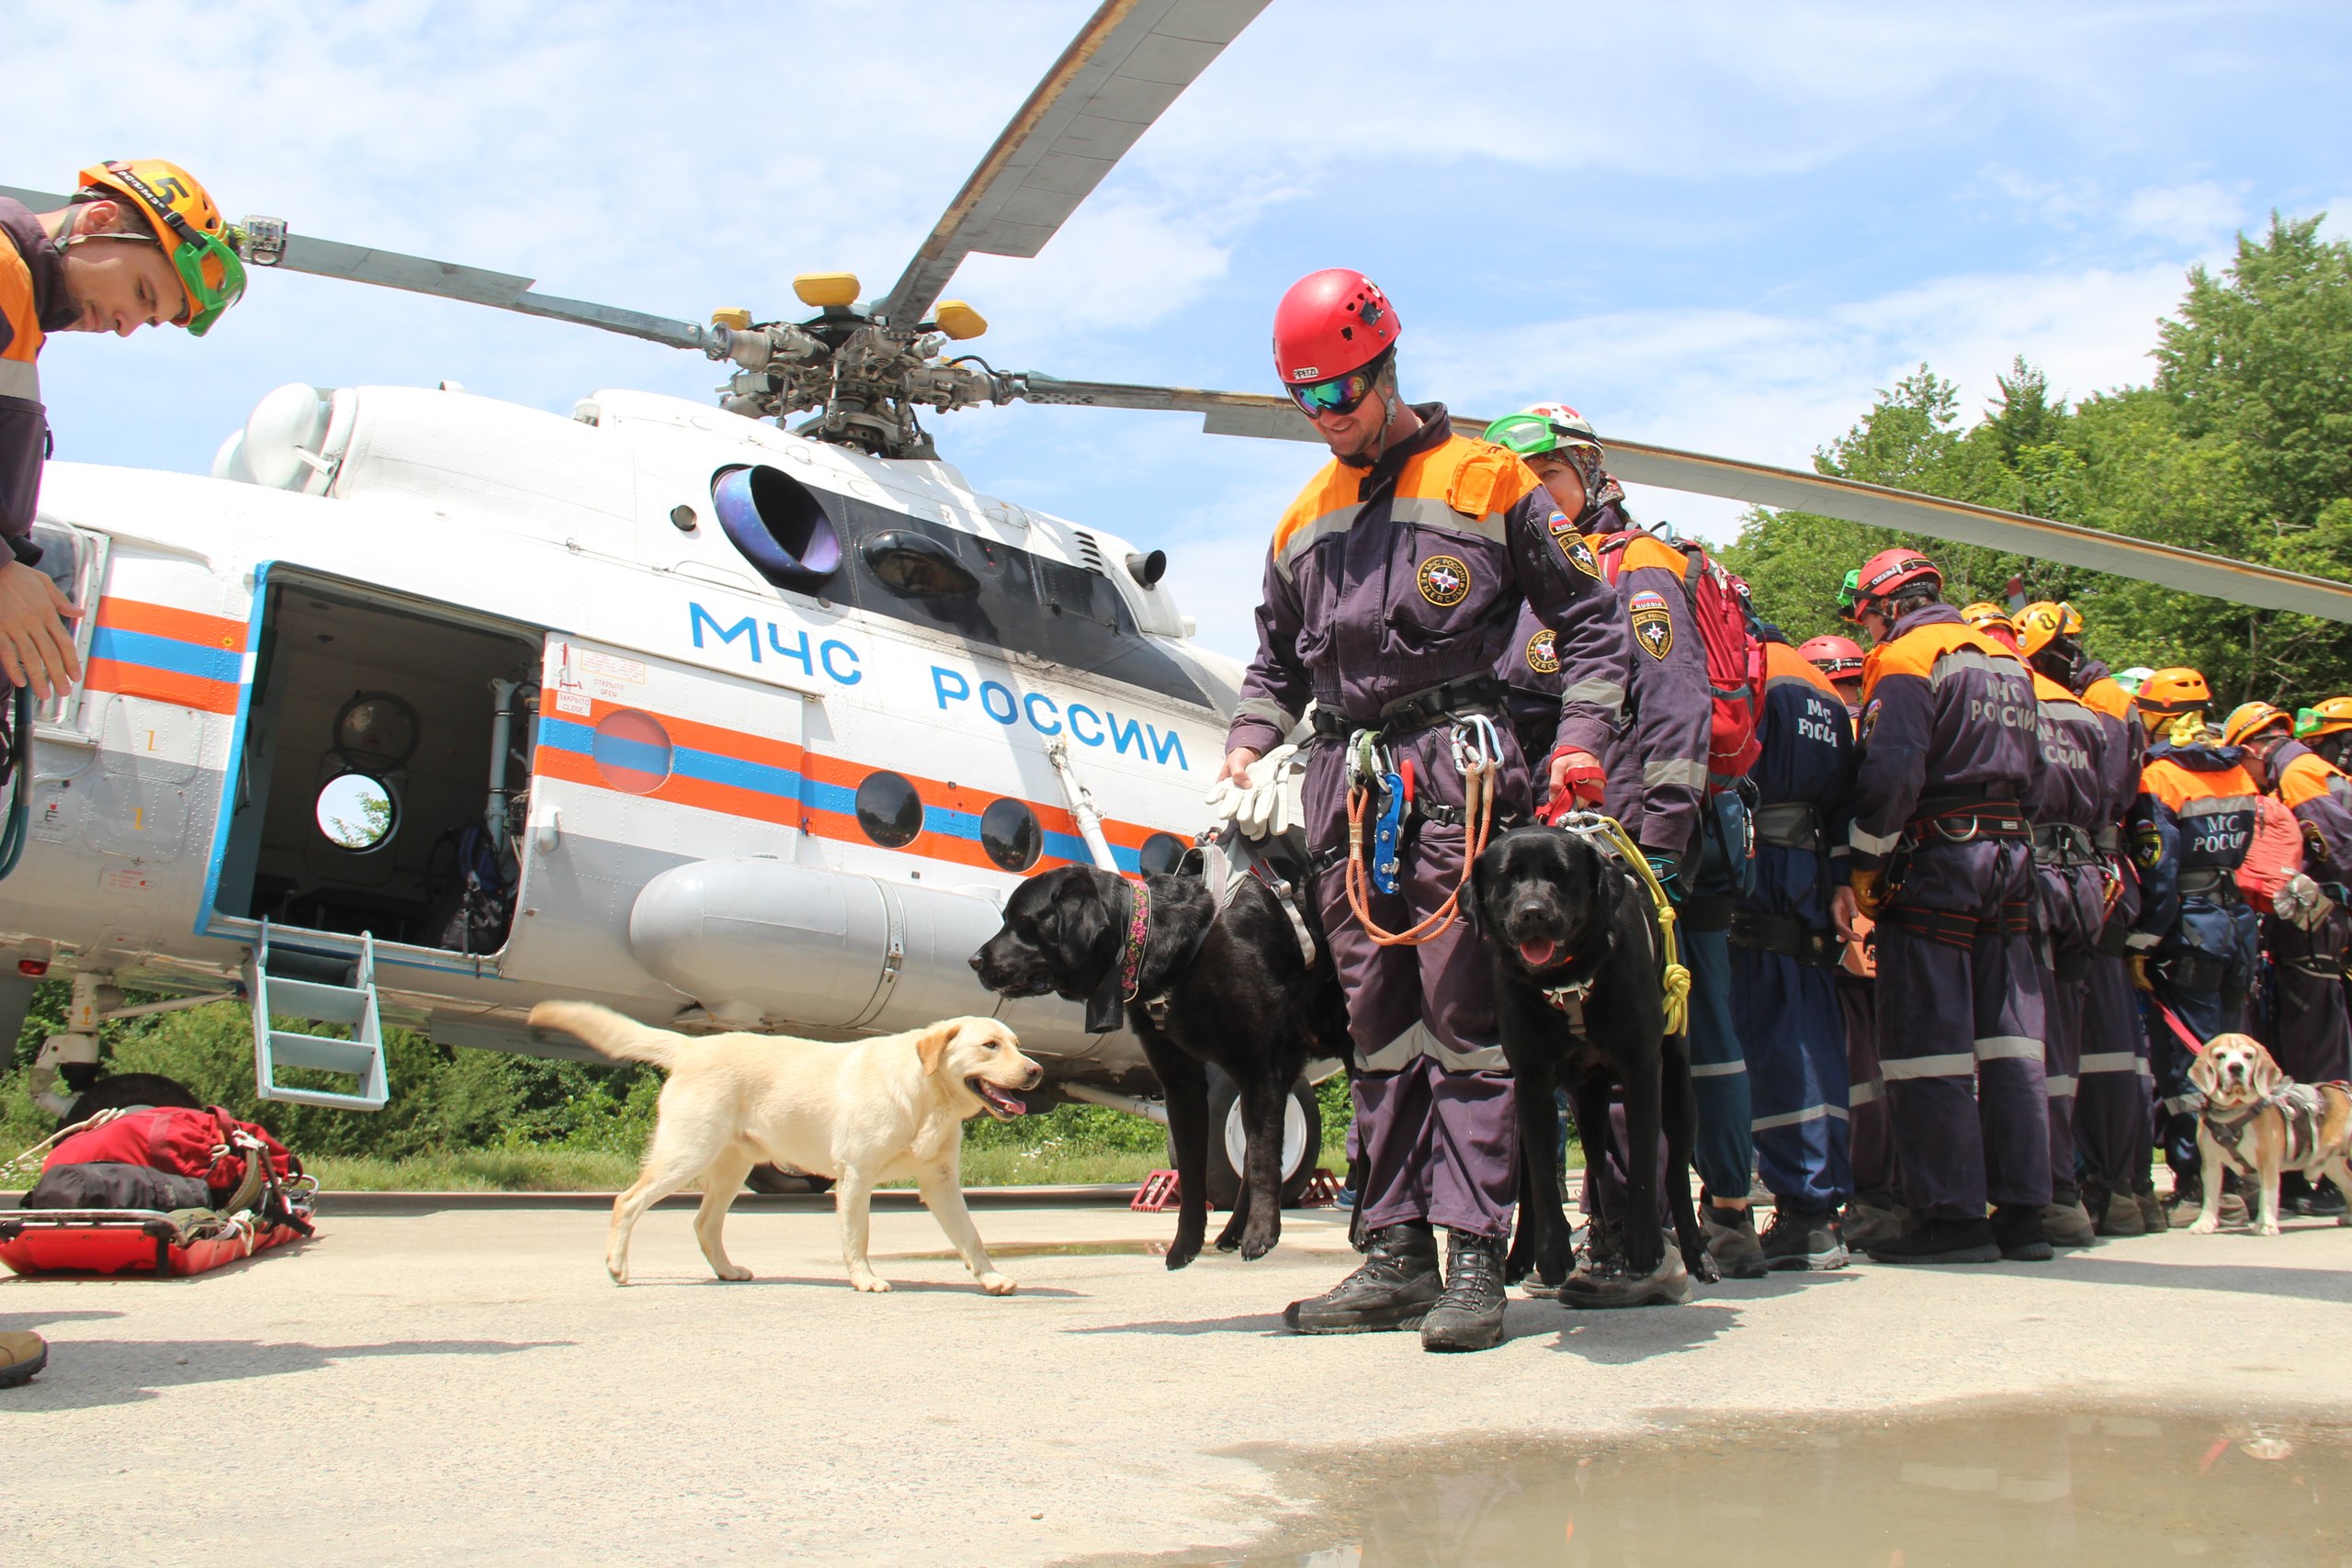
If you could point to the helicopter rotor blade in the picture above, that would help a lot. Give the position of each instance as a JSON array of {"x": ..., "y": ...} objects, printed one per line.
[
  {"x": 1118, "y": 75},
  {"x": 1759, "y": 484},
  {"x": 447, "y": 280}
]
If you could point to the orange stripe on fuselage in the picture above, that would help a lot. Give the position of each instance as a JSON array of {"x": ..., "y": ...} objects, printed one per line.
[
  {"x": 180, "y": 625},
  {"x": 163, "y": 685}
]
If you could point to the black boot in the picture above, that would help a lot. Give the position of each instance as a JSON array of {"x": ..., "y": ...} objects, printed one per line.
[
  {"x": 1941, "y": 1241},
  {"x": 2021, "y": 1234},
  {"x": 1469, "y": 1317},
  {"x": 1395, "y": 1288}
]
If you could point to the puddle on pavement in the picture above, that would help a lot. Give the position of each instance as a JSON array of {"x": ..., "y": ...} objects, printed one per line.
[
  {"x": 1041, "y": 1249},
  {"x": 1979, "y": 1488}
]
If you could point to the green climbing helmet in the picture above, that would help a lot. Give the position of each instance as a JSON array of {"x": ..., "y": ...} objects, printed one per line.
[{"x": 1543, "y": 427}]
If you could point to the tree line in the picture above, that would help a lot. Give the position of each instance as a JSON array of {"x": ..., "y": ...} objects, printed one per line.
[{"x": 2240, "y": 446}]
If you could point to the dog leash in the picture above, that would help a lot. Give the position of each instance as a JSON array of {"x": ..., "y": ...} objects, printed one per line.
[
  {"x": 1674, "y": 977},
  {"x": 1477, "y": 753}
]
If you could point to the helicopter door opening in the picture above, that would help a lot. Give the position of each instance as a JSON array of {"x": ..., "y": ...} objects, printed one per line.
[{"x": 386, "y": 768}]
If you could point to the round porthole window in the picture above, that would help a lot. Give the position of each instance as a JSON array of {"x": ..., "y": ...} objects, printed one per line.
[
  {"x": 1010, "y": 834},
  {"x": 355, "y": 812},
  {"x": 889, "y": 810},
  {"x": 631, "y": 752},
  {"x": 1160, "y": 853}
]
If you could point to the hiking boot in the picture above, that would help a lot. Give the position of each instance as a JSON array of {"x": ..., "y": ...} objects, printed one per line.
[
  {"x": 1732, "y": 1243},
  {"x": 1941, "y": 1241},
  {"x": 22, "y": 1355},
  {"x": 1803, "y": 1239},
  {"x": 1612, "y": 1284},
  {"x": 2324, "y": 1202},
  {"x": 1469, "y": 1315},
  {"x": 1393, "y": 1288},
  {"x": 1867, "y": 1223},
  {"x": 2017, "y": 1229},
  {"x": 2151, "y": 1211},
  {"x": 2123, "y": 1215},
  {"x": 1598, "y": 1244},
  {"x": 2067, "y": 1221}
]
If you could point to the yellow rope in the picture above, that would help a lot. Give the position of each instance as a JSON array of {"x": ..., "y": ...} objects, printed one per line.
[{"x": 1674, "y": 980}]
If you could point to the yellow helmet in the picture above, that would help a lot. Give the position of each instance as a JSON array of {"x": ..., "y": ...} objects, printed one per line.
[
  {"x": 2326, "y": 719},
  {"x": 186, "y": 224},
  {"x": 2249, "y": 720},
  {"x": 2178, "y": 690},
  {"x": 2040, "y": 624}
]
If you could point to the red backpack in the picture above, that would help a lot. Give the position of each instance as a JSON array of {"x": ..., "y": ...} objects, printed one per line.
[{"x": 1735, "y": 659}]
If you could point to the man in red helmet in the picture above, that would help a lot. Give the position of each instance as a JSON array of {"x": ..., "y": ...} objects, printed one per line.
[
  {"x": 1841, "y": 658},
  {"x": 1942, "y": 858},
  {"x": 1391, "y": 587}
]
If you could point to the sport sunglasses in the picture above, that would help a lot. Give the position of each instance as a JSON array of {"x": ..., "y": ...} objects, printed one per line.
[{"x": 1340, "y": 394}]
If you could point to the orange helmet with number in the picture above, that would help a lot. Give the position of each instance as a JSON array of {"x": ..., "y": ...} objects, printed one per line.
[
  {"x": 2040, "y": 624},
  {"x": 187, "y": 225}
]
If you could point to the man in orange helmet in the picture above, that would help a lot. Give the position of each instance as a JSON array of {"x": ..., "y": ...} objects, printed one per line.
[
  {"x": 2326, "y": 728},
  {"x": 2306, "y": 929},
  {"x": 1942, "y": 858},
  {"x": 2112, "y": 1128},
  {"x": 2204, "y": 941},
  {"x": 1391, "y": 587},
  {"x": 140, "y": 245}
]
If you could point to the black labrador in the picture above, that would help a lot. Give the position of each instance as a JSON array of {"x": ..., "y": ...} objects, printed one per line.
[
  {"x": 1575, "y": 946},
  {"x": 1227, "y": 990}
]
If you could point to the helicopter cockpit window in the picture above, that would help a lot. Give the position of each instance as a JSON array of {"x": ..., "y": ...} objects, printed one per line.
[
  {"x": 917, "y": 568},
  {"x": 889, "y": 810},
  {"x": 1010, "y": 834},
  {"x": 357, "y": 812},
  {"x": 778, "y": 525}
]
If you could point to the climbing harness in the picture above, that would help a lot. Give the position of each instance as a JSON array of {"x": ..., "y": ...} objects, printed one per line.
[
  {"x": 1477, "y": 755},
  {"x": 1608, "y": 835}
]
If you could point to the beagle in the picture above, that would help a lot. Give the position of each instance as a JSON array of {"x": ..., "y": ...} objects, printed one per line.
[{"x": 2258, "y": 1122}]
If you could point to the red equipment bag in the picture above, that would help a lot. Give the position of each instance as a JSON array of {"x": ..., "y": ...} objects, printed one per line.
[
  {"x": 2276, "y": 855},
  {"x": 170, "y": 1138},
  {"x": 1734, "y": 658}
]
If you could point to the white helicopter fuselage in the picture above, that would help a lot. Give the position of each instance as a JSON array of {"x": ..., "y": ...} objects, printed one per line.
[{"x": 713, "y": 780}]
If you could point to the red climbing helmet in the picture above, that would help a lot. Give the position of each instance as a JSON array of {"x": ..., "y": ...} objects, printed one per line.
[
  {"x": 1329, "y": 323},
  {"x": 1839, "y": 657},
  {"x": 1889, "y": 573}
]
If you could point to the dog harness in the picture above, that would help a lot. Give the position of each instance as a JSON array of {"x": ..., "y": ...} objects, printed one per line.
[
  {"x": 1607, "y": 836},
  {"x": 2299, "y": 1108}
]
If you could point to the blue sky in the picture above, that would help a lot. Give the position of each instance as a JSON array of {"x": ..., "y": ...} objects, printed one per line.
[{"x": 1717, "y": 227}]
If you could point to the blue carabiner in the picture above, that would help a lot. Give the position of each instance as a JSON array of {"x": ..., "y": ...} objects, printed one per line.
[{"x": 1386, "y": 862}]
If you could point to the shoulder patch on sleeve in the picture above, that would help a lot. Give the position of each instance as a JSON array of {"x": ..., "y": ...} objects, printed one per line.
[
  {"x": 1541, "y": 655},
  {"x": 1653, "y": 624},
  {"x": 1573, "y": 546}
]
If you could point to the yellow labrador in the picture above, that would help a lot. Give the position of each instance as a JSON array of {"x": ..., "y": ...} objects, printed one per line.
[
  {"x": 866, "y": 1112},
  {"x": 2259, "y": 1123}
]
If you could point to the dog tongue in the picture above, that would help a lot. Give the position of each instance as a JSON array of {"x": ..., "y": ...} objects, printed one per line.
[
  {"x": 1012, "y": 1104},
  {"x": 1538, "y": 951}
]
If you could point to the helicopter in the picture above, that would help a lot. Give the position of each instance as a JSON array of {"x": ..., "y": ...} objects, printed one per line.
[{"x": 424, "y": 707}]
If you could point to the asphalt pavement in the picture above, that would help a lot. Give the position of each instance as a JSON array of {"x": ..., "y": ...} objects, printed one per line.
[{"x": 465, "y": 1384}]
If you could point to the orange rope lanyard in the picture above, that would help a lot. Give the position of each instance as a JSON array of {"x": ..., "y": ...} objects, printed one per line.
[{"x": 1478, "y": 769}]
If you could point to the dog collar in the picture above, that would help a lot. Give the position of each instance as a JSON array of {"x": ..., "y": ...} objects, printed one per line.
[{"x": 1138, "y": 929}]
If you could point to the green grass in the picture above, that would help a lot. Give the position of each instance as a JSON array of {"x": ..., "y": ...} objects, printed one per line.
[{"x": 477, "y": 1170}]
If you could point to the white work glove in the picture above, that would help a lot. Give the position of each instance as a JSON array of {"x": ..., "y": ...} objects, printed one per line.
[
  {"x": 1272, "y": 802},
  {"x": 2300, "y": 903}
]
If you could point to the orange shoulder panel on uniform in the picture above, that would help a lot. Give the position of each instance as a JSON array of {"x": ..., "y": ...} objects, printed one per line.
[
  {"x": 2106, "y": 695},
  {"x": 1646, "y": 550},
  {"x": 2048, "y": 691},
  {"x": 1332, "y": 488},
  {"x": 2306, "y": 779},
  {"x": 17, "y": 305},
  {"x": 2174, "y": 785},
  {"x": 1475, "y": 478},
  {"x": 1782, "y": 662},
  {"x": 1916, "y": 650}
]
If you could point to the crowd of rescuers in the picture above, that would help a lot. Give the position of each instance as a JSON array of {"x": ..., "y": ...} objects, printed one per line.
[
  {"x": 1978, "y": 898},
  {"x": 139, "y": 243}
]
